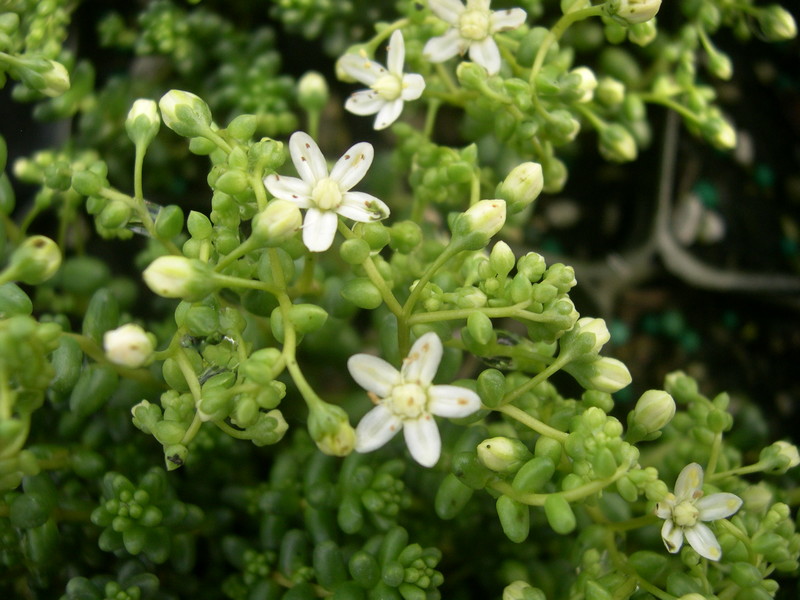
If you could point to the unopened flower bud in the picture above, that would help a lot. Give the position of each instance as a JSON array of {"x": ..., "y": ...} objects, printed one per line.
[
  {"x": 522, "y": 590},
  {"x": 480, "y": 222},
  {"x": 616, "y": 144},
  {"x": 34, "y": 261},
  {"x": 720, "y": 65},
  {"x": 777, "y": 23},
  {"x": 143, "y": 122},
  {"x": 49, "y": 77},
  {"x": 503, "y": 455},
  {"x": 632, "y": 11},
  {"x": 180, "y": 277},
  {"x": 330, "y": 429},
  {"x": 502, "y": 259},
  {"x": 653, "y": 411},
  {"x": 782, "y": 456},
  {"x": 128, "y": 346},
  {"x": 522, "y": 186},
  {"x": 610, "y": 91},
  {"x": 312, "y": 91},
  {"x": 277, "y": 222},
  {"x": 588, "y": 336},
  {"x": 186, "y": 114},
  {"x": 719, "y": 132},
  {"x": 601, "y": 373},
  {"x": 642, "y": 34},
  {"x": 587, "y": 85}
]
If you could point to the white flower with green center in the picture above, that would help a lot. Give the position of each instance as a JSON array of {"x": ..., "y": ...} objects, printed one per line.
[
  {"x": 389, "y": 87},
  {"x": 687, "y": 508},
  {"x": 406, "y": 400},
  {"x": 325, "y": 196},
  {"x": 472, "y": 28}
]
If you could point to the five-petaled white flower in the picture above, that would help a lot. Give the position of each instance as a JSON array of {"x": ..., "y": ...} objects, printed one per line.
[
  {"x": 472, "y": 27},
  {"x": 406, "y": 400},
  {"x": 686, "y": 508},
  {"x": 389, "y": 87},
  {"x": 326, "y": 196}
]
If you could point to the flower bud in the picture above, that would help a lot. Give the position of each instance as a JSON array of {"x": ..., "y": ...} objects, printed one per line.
[
  {"x": 503, "y": 455},
  {"x": 719, "y": 132},
  {"x": 330, "y": 429},
  {"x": 522, "y": 590},
  {"x": 480, "y": 222},
  {"x": 522, "y": 186},
  {"x": 588, "y": 336},
  {"x": 143, "y": 122},
  {"x": 632, "y": 11},
  {"x": 502, "y": 259},
  {"x": 610, "y": 91},
  {"x": 781, "y": 456},
  {"x": 184, "y": 113},
  {"x": 617, "y": 144},
  {"x": 600, "y": 373},
  {"x": 587, "y": 85},
  {"x": 45, "y": 76},
  {"x": 34, "y": 261},
  {"x": 277, "y": 222},
  {"x": 653, "y": 411},
  {"x": 128, "y": 346},
  {"x": 312, "y": 91},
  {"x": 777, "y": 23},
  {"x": 179, "y": 277},
  {"x": 642, "y": 34}
]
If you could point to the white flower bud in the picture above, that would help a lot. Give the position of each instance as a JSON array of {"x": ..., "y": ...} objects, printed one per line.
[
  {"x": 601, "y": 373},
  {"x": 522, "y": 186},
  {"x": 312, "y": 91},
  {"x": 179, "y": 277},
  {"x": 186, "y": 114},
  {"x": 277, "y": 222},
  {"x": 503, "y": 455},
  {"x": 610, "y": 91},
  {"x": 616, "y": 144},
  {"x": 128, "y": 346},
  {"x": 653, "y": 411},
  {"x": 719, "y": 132},
  {"x": 35, "y": 261},
  {"x": 588, "y": 83},
  {"x": 484, "y": 218},
  {"x": 330, "y": 429},
  {"x": 143, "y": 122},
  {"x": 777, "y": 23},
  {"x": 633, "y": 11}
]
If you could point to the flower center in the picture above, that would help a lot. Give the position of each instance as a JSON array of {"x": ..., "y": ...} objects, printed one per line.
[
  {"x": 388, "y": 87},
  {"x": 408, "y": 400},
  {"x": 327, "y": 195},
  {"x": 685, "y": 514},
  {"x": 474, "y": 24}
]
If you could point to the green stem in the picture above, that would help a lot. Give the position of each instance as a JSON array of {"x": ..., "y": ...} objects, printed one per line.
[
  {"x": 430, "y": 116},
  {"x": 138, "y": 162},
  {"x": 462, "y": 313},
  {"x": 538, "y": 426},
  {"x": 573, "y": 495},
  {"x": 194, "y": 387},
  {"x": 713, "y": 457},
  {"x": 240, "y": 282},
  {"x": 553, "y": 367},
  {"x": 745, "y": 470}
]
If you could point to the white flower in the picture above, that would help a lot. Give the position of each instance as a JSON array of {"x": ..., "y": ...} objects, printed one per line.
[
  {"x": 389, "y": 87},
  {"x": 685, "y": 510},
  {"x": 472, "y": 27},
  {"x": 406, "y": 400},
  {"x": 326, "y": 196}
]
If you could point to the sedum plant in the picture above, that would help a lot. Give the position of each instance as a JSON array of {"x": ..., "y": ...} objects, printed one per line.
[{"x": 211, "y": 335}]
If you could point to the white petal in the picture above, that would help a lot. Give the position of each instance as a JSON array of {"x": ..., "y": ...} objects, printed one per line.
[
  {"x": 452, "y": 401},
  {"x": 361, "y": 68},
  {"x": 482, "y": 5},
  {"x": 718, "y": 506},
  {"x": 440, "y": 48},
  {"x": 702, "y": 539},
  {"x": 307, "y": 158},
  {"x": 689, "y": 481},
  {"x": 396, "y": 53},
  {"x": 289, "y": 188},
  {"x": 388, "y": 114},
  {"x": 413, "y": 84},
  {"x": 505, "y": 20},
  {"x": 672, "y": 536},
  {"x": 664, "y": 508},
  {"x": 354, "y": 164},
  {"x": 376, "y": 428},
  {"x": 373, "y": 374},
  {"x": 364, "y": 102},
  {"x": 423, "y": 441},
  {"x": 319, "y": 227},
  {"x": 362, "y": 207},
  {"x": 423, "y": 360},
  {"x": 486, "y": 54},
  {"x": 447, "y": 10}
]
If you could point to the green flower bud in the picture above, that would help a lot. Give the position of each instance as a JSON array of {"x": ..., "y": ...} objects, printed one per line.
[
  {"x": 279, "y": 221},
  {"x": 184, "y": 113},
  {"x": 719, "y": 132},
  {"x": 405, "y": 236},
  {"x": 312, "y": 92},
  {"x": 632, "y": 11},
  {"x": 781, "y": 455},
  {"x": 354, "y": 251},
  {"x": 180, "y": 277},
  {"x": 129, "y": 346},
  {"x": 242, "y": 127},
  {"x": 34, "y": 261},
  {"x": 653, "y": 411},
  {"x": 616, "y": 144},
  {"x": 471, "y": 75},
  {"x": 503, "y": 455},
  {"x": 330, "y": 429},
  {"x": 114, "y": 215},
  {"x": 534, "y": 474},
  {"x": 48, "y": 77},
  {"x": 522, "y": 186},
  {"x": 362, "y": 292},
  {"x": 610, "y": 91},
  {"x": 777, "y": 23},
  {"x": 642, "y": 34},
  {"x": 587, "y": 83},
  {"x": 587, "y": 336},
  {"x": 720, "y": 65},
  {"x": 600, "y": 373},
  {"x": 480, "y": 222},
  {"x": 522, "y": 590},
  {"x": 502, "y": 259},
  {"x": 555, "y": 175},
  {"x": 199, "y": 225},
  {"x": 88, "y": 183},
  {"x": 480, "y": 328},
  {"x": 143, "y": 122}
]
